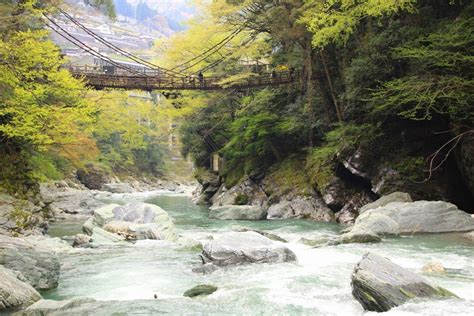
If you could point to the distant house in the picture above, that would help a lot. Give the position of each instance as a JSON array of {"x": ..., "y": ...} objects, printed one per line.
[{"x": 107, "y": 66}]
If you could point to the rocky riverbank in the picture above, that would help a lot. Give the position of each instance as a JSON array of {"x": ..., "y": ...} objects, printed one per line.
[
  {"x": 288, "y": 190},
  {"x": 31, "y": 264}
]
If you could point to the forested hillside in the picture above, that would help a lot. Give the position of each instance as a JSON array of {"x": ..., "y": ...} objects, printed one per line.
[
  {"x": 384, "y": 100},
  {"x": 52, "y": 124}
]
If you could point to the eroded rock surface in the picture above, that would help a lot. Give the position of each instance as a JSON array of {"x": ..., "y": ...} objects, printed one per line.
[
  {"x": 237, "y": 212},
  {"x": 379, "y": 284},
  {"x": 14, "y": 291},
  {"x": 407, "y": 218},
  {"x": 37, "y": 263},
  {"x": 235, "y": 248}
]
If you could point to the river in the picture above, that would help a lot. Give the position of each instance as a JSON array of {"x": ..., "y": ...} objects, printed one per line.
[{"x": 319, "y": 284}]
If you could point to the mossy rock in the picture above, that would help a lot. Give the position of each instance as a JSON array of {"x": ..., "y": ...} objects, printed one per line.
[{"x": 200, "y": 290}]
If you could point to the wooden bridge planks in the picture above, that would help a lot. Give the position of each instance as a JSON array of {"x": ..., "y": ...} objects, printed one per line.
[{"x": 148, "y": 83}]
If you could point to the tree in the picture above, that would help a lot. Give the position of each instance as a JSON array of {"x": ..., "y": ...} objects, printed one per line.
[{"x": 41, "y": 105}]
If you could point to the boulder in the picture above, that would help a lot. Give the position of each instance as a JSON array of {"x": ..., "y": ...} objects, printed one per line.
[
  {"x": 37, "y": 263},
  {"x": 199, "y": 290},
  {"x": 359, "y": 237},
  {"x": 149, "y": 221},
  {"x": 135, "y": 220},
  {"x": 337, "y": 193},
  {"x": 46, "y": 307},
  {"x": 92, "y": 176},
  {"x": 104, "y": 214},
  {"x": 378, "y": 284},
  {"x": 469, "y": 236},
  {"x": 19, "y": 216},
  {"x": 207, "y": 268},
  {"x": 301, "y": 207},
  {"x": 235, "y": 248},
  {"x": 81, "y": 240},
  {"x": 101, "y": 237},
  {"x": 246, "y": 191},
  {"x": 118, "y": 187},
  {"x": 14, "y": 292},
  {"x": 237, "y": 212},
  {"x": 414, "y": 217},
  {"x": 349, "y": 212},
  {"x": 88, "y": 226},
  {"x": 384, "y": 200},
  {"x": 261, "y": 232},
  {"x": 433, "y": 267},
  {"x": 69, "y": 200}
]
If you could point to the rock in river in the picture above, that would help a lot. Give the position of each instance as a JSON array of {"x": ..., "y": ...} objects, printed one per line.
[
  {"x": 37, "y": 263},
  {"x": 234, "y": 248},
  {"x": 237, "y": 212},
  {"x": 135, "y": 220},
  {"x": 14, "y": 292},
  {"x": 379, "y": 284},
  {"x": 202, "y": 289},
  {"x": 47, "y": 307},
  {"x": 406, "y": 218},
  {"x": 384, "y": 200}
]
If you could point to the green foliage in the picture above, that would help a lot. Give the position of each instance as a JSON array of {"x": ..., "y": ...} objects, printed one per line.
[
  {"x": 42, "y": 108},
  {"x": 290, "y": 175},
  {"x": 241, "y": 199},
  {"x": 439, "y": 76},
  {"x": 44, "y": 168},
  {"x": 129, "y": 133},
  {"x": 411, "y": 168},
  {"x": 335, "y": 21},
  {"x": 263, "y": 131}
]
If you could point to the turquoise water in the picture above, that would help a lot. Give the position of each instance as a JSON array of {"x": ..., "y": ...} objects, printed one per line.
[{"x": 319, "y": 284}]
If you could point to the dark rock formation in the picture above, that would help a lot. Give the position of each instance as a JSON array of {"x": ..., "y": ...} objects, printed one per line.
[{"x": 379, "y": 284}]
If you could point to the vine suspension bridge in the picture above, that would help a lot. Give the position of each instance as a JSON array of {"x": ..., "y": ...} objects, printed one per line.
[{"x": 149, "y": 76}]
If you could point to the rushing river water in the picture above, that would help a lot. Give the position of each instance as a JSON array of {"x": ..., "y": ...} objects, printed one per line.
[{"x": 319, "y": 284}]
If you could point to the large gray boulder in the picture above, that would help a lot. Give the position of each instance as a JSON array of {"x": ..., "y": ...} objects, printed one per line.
[
  {"x": 47, "y": 307},
  {"x": 104, "y": 214},
  {"x": 237, "y": 212},
  {"x": 93, "y": 176},
  {"x": 101, "y": 237},
  {"x": 378, "y": 284},
  {"x": 407, "y": 218},
  {"x": 384, "y": 200},
  {"x": 37, "y": 263},
  {"x": 14, "y": 292},
  {"x": 135, "y": 220},
  {"x": 69, "y": 200},
  {"x": 235, "y": 248},
  {"x": 246, "y": 190},
  {"x": 117, "y": 187},
  {"x": 301, "y": 207}
]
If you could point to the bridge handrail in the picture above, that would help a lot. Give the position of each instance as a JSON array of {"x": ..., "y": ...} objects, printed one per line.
[{"x": 120, "y": 78}]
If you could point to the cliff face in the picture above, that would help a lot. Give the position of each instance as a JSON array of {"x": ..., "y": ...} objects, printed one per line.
[{"x": 285, "y": 190}]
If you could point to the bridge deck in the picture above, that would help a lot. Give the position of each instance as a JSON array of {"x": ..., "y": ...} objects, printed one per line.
[{"x": 101, "y": 80}]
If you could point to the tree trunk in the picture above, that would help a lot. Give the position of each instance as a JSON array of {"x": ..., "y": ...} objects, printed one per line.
[{"x": 331, "y": 88}]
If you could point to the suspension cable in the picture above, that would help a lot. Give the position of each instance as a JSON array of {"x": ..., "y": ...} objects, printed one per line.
[
  {"x": 209, "y": 51},
  {"x": 72, "y": 39},
  {"x": 116, "y": 48}
]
